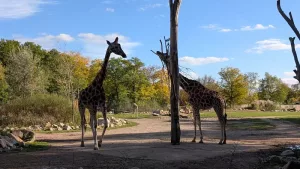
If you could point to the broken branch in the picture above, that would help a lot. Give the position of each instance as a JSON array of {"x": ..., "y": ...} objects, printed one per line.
[
  {"x": 290, "y": 20},
  {"x": 295, "y": 58}
]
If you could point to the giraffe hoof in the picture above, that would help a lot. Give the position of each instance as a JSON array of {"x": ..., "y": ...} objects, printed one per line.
[
  {"x": 99, "y": 143},
  {"x": 193, "y": 141},
  {"x": 96, "y": 148},
  {"x": 220, "y": 143},
  {"x": 82, "y": 144},
  {"x": 224, "y": 142},
  {"x": 201, "y": 142}
]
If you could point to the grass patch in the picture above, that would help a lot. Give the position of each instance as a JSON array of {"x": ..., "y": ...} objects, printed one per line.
[
  {"x": 249, "y": 114},
  {"x": 36, "y": 146},
  {"x": 129, "y": 124},
  {"x": 249, "y": 124}
]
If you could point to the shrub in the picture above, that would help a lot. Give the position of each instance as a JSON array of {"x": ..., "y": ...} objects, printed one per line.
[{"x": 36, "y": 109}]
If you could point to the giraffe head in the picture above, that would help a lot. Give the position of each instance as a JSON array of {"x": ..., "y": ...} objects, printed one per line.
[
  {"x": 116, "y": 48},
  {"x": 165, "y": 58}
]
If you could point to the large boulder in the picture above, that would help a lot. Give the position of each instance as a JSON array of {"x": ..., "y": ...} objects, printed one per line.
[
  {"x": 28, "y": 136},
  {"x": 17, "y": 140}
]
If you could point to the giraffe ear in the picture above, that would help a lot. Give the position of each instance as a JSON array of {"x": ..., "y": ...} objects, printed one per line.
[
  {"x": 116, "y": 40},
  {"x": 107, "y": 42}
]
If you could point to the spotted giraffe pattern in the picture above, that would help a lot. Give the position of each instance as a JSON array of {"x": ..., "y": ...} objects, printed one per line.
[
  {"x": 93, "y": 96},
  {"x": 202, "y": 98}
]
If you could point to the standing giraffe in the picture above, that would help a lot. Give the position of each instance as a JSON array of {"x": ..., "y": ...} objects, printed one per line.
[
  {"x": 93, "y": 96},
  {"x": 200, "y": 97}
]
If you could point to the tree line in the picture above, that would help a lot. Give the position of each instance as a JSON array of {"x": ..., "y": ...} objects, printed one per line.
[{"x": 27, "y": 70}]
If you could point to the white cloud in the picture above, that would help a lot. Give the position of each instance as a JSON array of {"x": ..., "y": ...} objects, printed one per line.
[
  {"x": 256, "y": 27},
  {"x": 210, "y": 26},
  {"x": 110, "y": 9},
  {"x": 45, "y": 40},
  {"x": 270, "y": 45},
  {"x": 95, "y": 45},
  {"x": 225, "y": 30},
  {"x": 244, "y": 28},
  {"x": 144, "y": 8},
  {"x": 289, "y": 81},
  {"x": 201, "y": 61},
  {"x": 16, "y": 9},
  {"x": 289, "y": 74}
]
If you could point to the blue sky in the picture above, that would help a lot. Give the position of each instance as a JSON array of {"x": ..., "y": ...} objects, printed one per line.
[{"x": 249, "y": 35}]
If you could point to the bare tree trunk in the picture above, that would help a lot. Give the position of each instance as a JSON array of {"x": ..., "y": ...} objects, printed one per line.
[
  {"x": 174, "y": 72},
  {"x": 291, "y": 23}
]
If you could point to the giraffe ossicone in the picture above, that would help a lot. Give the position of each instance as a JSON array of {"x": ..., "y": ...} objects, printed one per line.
[{"x": 93, "y": 96}]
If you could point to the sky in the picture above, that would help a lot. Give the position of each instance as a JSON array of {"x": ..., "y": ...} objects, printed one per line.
[{"x": 249, "y": 35}]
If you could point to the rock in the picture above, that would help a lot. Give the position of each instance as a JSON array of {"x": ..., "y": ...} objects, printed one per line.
[
  {"x": 48, "y": 125},
  {"x": 73, "y": 127},
  {"x": 275, "y": 159},
  {"x": 287, "y": 153},
  {"x": 18, "y": 133},
  {"x": 156, "y": 113},
  {"x": 28, "y": 136},
  {"x": 183, "y": 116},
  {"x": 112, "y": 125},
  {"x": 100, "y": 121},
  {"x": 77, "y": 127},
  {"x": 61, "y": 124},
  {"x": 67, "y": 127},
  {"x": 3, "y": 143},
  {"x": 288, "y": 159},
  {"x": 59, "y": 129},
  {"x": 17, "y": 140}
]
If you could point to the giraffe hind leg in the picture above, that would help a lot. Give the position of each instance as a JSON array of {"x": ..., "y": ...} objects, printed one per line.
[
  {"x": 224, "y": 128},
  {"x": 195, "y": 128},
  {"x": 93, "y": 124}
]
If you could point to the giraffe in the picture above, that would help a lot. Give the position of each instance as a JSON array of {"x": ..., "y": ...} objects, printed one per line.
[
  {"x": 202, "y": 98},
  {"x": 93, "y": 96}
]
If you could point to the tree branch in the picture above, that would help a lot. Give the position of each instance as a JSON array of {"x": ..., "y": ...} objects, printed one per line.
[
  {"x": 290, "y": 20},
  {"x": 297, "y": 72}
]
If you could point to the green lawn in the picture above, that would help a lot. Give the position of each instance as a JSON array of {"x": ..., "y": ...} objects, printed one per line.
[
  {"x": 249, "y": 124},
  {"x": 129, "y": 124},
  {"x": 249, "y": 114}
]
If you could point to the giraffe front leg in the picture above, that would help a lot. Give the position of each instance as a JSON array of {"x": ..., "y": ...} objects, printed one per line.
[
  {"x": 222, "y": 133},
  {"x": 195, "y": 128},
  {"x": 105, "y": 125},
  {"x": 93, "y": 125},
  {"x": 199, "y": 124}
]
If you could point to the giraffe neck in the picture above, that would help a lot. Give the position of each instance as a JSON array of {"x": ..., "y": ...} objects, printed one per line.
[
  {"x": 102, "y": 73},
  {"x": 189, "y": 85}
]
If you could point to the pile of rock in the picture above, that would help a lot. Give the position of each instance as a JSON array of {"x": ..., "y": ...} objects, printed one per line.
[
  {"x": 16, "y": 140},
  {"x": 56, "y": 127},
  {"x": 112, "y": 122},
  {"x": 289, "y": 159},
  {"x": 160, "y": 113}
]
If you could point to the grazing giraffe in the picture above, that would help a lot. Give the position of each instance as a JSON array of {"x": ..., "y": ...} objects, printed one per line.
[
  {"x": 93, "y": 96},
  {"x": 200, "y": 97}
]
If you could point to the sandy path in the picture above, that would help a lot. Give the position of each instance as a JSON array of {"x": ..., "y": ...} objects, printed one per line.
[{"x": 147, "y": 145}]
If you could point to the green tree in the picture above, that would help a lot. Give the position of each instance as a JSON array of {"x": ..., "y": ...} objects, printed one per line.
[
  {"x": 234, "y": 85},
  {"x": 23, "y": 75},
  {"x": 6, "y": 47},
  {"x": 209, "y": 82},
  {"x": 272, "y": 88},
  {"x": 3, "y": 86},
  {"x": 252, "y": 81}
]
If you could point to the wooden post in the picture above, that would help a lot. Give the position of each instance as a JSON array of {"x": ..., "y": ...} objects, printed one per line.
[{"x": 174, "y": 72}]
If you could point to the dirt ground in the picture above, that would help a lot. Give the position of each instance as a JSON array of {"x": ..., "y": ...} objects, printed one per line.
[{"x": 148, "y": 146}]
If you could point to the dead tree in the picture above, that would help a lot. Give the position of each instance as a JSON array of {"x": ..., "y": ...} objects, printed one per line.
[
  {"x": 174, "y": 72},
  {"x": 290, "y": 21}
]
